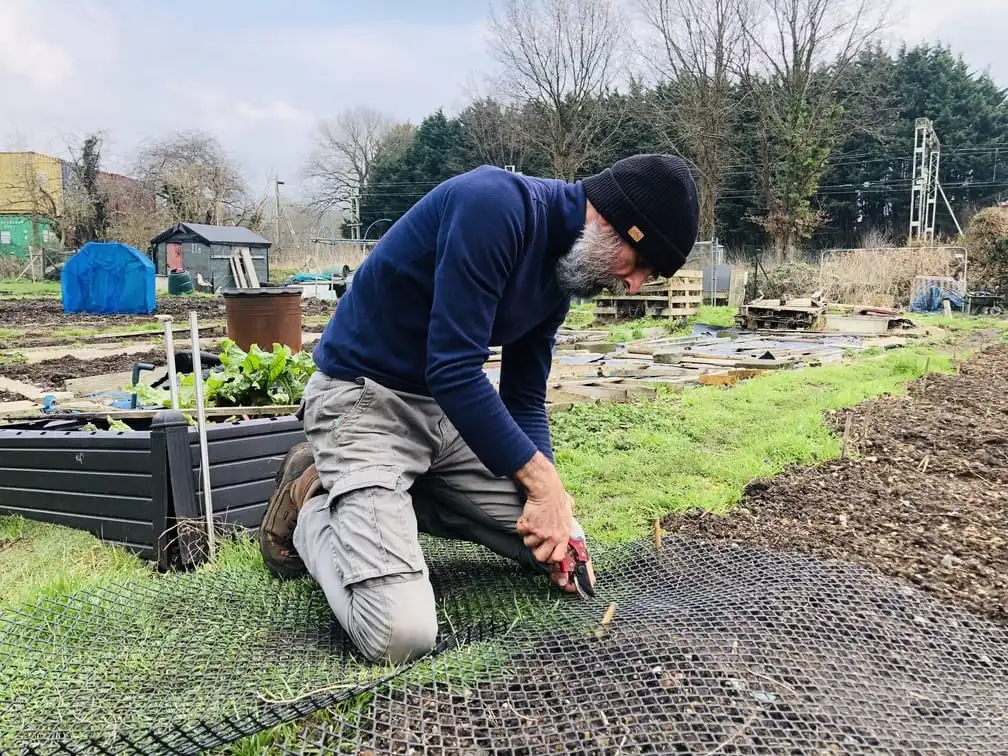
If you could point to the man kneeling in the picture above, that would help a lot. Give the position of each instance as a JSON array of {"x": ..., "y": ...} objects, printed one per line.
[{"x": 406, "y": 433}]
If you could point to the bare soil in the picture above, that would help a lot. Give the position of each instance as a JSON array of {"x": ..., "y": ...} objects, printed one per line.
[
  {"x": 924, "y": 498},
  {"x": 51, "y": 374},
  {"x": 7, "y": 396}
]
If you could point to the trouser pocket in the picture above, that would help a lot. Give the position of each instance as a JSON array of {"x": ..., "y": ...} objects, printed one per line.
[{"x": 374, "y": 524}]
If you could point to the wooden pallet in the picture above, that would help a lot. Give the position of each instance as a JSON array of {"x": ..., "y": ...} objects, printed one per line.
[{"x": 677, "y": 297}]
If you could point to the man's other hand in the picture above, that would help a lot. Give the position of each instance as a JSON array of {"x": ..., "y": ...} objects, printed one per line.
[{"x": 549, "y": 510}]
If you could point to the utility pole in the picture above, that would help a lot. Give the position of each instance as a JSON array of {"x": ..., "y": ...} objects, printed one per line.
[
  {"x": 276, "y": 220},
  {"x": 355, "y": 222},
  {"x": 925, "y": 186}
]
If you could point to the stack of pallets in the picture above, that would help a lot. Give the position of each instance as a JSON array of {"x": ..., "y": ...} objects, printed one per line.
[{"x": 677, "y": 297}]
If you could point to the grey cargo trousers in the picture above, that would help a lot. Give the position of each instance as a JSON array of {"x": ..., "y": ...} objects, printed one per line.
[{"x": 393, "y": 465}]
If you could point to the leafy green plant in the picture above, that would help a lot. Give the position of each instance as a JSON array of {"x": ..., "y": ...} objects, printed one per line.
[{"x": 245, "y": 379}]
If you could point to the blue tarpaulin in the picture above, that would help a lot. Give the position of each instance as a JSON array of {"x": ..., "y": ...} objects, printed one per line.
[
  {"x": 930, "y": 300},
  {"x": 108, "y": 278}
]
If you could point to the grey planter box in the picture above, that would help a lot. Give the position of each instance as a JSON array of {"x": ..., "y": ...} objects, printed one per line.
[{"x": 142, "y": 489}]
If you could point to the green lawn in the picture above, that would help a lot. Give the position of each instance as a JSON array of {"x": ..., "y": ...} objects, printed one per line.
[
  {"x": 626, "y": 464},
  {"x": 10, "y": 288}
]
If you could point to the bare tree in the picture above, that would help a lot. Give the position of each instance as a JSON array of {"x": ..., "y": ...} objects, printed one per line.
[
  {"x": 195, "y": 181},
  {"x": 497, "y": 131},
  {"x": 134, "y": 216},
  {"x": 698, "y": 49},
  {"x": 345, "y": 150},
  {"x": 802, "y": 51},
  {"x": 560, "y": 56}
]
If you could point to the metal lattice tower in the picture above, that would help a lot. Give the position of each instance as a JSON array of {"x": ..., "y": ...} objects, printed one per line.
[{"x": 925, "y": 186}]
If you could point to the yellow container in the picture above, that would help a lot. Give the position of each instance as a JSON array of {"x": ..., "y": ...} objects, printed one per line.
[{"x": 32, "y": 184}]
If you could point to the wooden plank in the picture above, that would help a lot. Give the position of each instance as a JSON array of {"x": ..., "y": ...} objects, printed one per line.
[
  {"x": 233, "y": 265},
  {"x": 28, "y": 391},
  {"x": 737, "y": 286},
  {"x": 95, "y": 384},
  {"x": 250, "y": 271},
  {"x": 98, "y": 411},
  {"x": 240, "y": 271},
  {"x": 727, "y": 379}
]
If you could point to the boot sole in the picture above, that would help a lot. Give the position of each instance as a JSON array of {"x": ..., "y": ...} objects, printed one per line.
[{"x": 285, "y": 477}]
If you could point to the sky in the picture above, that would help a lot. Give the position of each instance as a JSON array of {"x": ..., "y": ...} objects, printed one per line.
[{"x": 260, "y": 74}]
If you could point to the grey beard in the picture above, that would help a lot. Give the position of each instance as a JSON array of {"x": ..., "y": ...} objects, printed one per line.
[{"x": 585, "y": 271}]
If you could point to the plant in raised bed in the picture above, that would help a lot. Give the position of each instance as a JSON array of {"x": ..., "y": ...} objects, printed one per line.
[{"x": 244, "y": 379}]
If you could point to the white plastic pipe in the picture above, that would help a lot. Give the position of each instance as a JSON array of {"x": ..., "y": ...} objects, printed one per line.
[
  {"x": 201, "y": 427},
  {"x": 172, "y": 378}
]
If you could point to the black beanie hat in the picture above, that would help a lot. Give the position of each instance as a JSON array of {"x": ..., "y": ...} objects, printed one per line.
[{"x": 651, "y": 200}]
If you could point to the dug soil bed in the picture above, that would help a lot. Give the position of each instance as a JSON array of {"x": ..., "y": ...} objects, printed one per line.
[
  {"x": 924, "y": 497},
  {"x": 51, "y": 374},
  {"x": 35, "y": 315}
]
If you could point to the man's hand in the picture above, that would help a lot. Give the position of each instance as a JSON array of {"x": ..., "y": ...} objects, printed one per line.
[{"x": 546, "y": 520}]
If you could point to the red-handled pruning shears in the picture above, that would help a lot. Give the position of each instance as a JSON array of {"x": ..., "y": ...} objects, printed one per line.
[{"x": 575, "y": 566}]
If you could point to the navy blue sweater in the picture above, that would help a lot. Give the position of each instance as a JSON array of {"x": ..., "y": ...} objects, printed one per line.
[{"x": 468, "y": 267}]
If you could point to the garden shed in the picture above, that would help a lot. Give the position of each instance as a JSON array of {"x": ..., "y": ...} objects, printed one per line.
[{"x": 198, "y": 248}]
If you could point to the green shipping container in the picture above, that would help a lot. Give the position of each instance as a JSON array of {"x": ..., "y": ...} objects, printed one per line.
[{"x": 18, "y": 235}]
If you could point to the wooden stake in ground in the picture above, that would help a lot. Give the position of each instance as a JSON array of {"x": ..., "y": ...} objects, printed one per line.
[
  {"x": 657, "y": 534},
  {"x": 201, "y": 425},
  {"x": 170, "y": 357},
  {"x": 846, "y": 435}
]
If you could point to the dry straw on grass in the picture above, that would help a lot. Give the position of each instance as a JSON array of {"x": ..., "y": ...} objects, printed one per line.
[{"x": 882, "y": 276}]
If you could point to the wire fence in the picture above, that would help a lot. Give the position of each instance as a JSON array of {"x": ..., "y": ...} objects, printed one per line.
[{"x": 711, "y": 648}]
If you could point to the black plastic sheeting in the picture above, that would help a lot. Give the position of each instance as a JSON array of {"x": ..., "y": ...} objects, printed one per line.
[{"x": 713, "y": 648}]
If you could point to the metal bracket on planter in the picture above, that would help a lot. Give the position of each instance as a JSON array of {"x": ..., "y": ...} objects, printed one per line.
[{"x": 137, "y": 368}]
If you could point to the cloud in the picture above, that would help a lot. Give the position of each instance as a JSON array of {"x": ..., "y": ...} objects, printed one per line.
[
  {"x": 278, "y": 110},
  {"x": 260, "y": 82},
  {"x": 26, "y": 56}
]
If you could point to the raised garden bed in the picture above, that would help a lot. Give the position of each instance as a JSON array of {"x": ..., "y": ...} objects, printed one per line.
[{"x": 142, "y": 489}]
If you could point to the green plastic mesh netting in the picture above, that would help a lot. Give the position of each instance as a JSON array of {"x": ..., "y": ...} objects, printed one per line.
[{"x": 713, "y": 648}]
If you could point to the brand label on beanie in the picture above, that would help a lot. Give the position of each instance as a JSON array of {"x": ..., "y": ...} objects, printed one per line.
[{"x": 635, "y": 233}]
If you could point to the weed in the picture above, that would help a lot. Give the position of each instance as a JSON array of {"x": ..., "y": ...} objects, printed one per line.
[
  {"x": 12, "y": 358},
  {"x": 11, "y": 529},
  {"x": 580, "y": 315}
]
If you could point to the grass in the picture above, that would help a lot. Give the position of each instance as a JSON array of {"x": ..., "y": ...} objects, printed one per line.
[
  {"x": 10, "y": 288},
  {"x": 582, "y": 317},
  {"x": 626, "y": 464},
  {"x": 39, "y": 560},
  {"x": 959, "y": 324},
  {"x": 634, "y": 330},
  {"x": 89, "y": 331},
  {"x": 222, "y": 623}
]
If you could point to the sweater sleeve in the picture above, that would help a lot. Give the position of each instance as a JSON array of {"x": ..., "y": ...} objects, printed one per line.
[
  {"x": 525, "y": 368},
  {"x": 477, "y": 244}
]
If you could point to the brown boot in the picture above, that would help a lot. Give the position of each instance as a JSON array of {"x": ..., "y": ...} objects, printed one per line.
[{"x": 296, "y": 481}]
